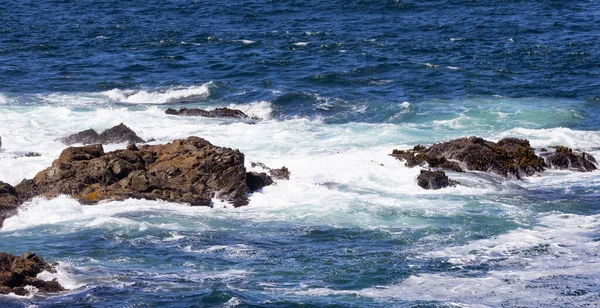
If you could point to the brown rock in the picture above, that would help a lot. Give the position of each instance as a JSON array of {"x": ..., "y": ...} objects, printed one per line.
[
  {"x": 9, "y": 201},
  {"x": 566, "y": 158},
  {"x": 17, "y": 272},
  {"x": 510, "y": 157},
  {"x": 191, "y": 170}
]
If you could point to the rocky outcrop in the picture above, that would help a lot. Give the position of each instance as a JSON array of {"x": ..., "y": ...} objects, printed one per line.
[
  {"x": 217, "y": 113},
  {"x": 282, "y": 173},
  {"x": 509, "y": 157},
  {"x": 9, "y": 201},
  {"x": 434, "y": 179},
  {"x": 189, "y": 171},
  {"x": 566, "y": 158},
  {"x": 18, "y": 272},
  {"x": 117, "y": 134}
]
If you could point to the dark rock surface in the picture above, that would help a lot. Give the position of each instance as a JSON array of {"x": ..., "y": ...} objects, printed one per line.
[
  {"x": 566, "y": 158},
  {"x": 188, "y": 171},
  {"x": 17, "y": 272},
  {"x": 217, "y": 113},
  {"x": 117, "y": 134},
  {"x": 257, "y": 180},
  {"x": 9, "y": 201},
  {"x": 434, "y": 179},
  {"x": 510, "y": 157}
]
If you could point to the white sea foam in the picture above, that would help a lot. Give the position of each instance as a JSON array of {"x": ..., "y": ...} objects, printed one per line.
[
  {"x": 159, "y": 97},
  {"x": 556, "y": 136},
  {"x": 534, "y": 267},
  {"x": 301, "y": 44},
  {"x": 62, "y": 275}
]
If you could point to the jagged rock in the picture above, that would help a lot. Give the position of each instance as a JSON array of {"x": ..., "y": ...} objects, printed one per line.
[
  {"x": 217, "y": 113},
  {"x": 510, "y": 157},
  {"x": 16, "y": 272},
  {"x": 189, "y": 171},
  {"x": 9, "y": 201},
  {"x": 282, "y": 173},
  {"x": 434, "y": 179},
  {"x": 117, "y": 134},
  {"x": 566, "y": 158},
  {"x": 256, "y": 180}
]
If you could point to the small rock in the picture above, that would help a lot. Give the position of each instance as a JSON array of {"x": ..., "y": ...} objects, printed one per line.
[
  {"x": 17, "y": 272},
  {"x": 33, "y": 154},
  {"x": 256, "y": 181},
  {"x": 117, "y": 134},
  {"x": 434, "y": 179},
  {"x": 87, "y": 136}
]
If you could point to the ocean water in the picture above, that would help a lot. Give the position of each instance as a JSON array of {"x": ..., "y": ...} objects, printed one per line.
[{"x": 338, "y": 85}]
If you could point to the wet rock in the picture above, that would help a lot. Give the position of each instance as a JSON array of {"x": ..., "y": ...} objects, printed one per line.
[
  {"x": 510, "y": 157},
  {"x": 17, "y": 272},
  {"x": 9, "y": 201},
  {"x": 217, "y": 113},
  {"x": 566, "y": 158},
  {"x": 257, "y": 180},
  {"x": 187, "y": 171},
  {"x": 282, "y": 173},
  {"x": 117, "y": 134},
  {"x": 434, "y": 179},
  {"x": 33, "y": 154}
]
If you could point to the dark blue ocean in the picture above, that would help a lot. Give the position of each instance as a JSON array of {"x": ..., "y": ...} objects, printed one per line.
[{"x": 338, "y": 85}]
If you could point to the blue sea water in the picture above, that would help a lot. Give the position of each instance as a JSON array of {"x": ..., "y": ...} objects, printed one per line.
[{"x": 338, "y": 85}]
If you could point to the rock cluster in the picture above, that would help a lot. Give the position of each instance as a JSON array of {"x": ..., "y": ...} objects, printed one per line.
[
  {"x": 509, "y": 157},
  {"x": 117, "y": 134},
  {"x": 190, "y": 171},
  {"x": 282, "y": 173},
  {"x": 18, "y": 272},
  {"x": 566, "y": 158},
  {"x": 217, "y": 113}
]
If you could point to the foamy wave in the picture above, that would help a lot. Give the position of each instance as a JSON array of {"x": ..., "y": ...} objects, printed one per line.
[
  {"x": 41, "y": 211},
  {"x": 262, "y": 110},
  {"x": 556, "y": 136},
  {"x": 538, "y": 267},
  {"x": 159, "y": 97},
  {"x": 62, "y": 276}
]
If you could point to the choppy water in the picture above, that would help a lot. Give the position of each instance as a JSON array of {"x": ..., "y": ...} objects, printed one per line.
[{"x": 339, "y": 84}]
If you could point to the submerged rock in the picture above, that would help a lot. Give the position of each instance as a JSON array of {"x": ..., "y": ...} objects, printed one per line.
[
  {"x": 117, "y": 134},
  {"x": 428, "y": 179},
  {"x": 18, "y": 272},
  {"x": 566, "y": 158},
  {"x": 189, "y": 171},
  {"x": 217, "y": 113},
  {"x": 510, "y": 157}
]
